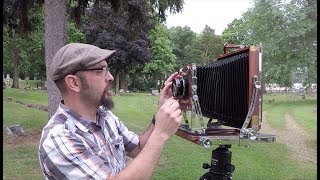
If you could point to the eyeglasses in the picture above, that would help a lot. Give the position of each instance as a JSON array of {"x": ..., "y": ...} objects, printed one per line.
[{"x": 102, "y": 70}]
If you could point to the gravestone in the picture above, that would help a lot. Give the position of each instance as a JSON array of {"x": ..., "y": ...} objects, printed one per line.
[
  {"x": 155, "y": 92},
  {"x": 314, "y": 110},
  {"x": 121, "y": 92},
  {"x": 7, "y": 80},
  {"x": 45, "y": 85},
  {"x": 9, "y": 99},
  {"x": 15, "y": 130}
]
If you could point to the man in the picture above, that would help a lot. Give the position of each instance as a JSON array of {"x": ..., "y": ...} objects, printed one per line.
[{"x": 84, "y": 139}]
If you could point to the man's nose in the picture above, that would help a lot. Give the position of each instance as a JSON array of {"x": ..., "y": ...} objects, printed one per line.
[{"x": 109, "y": 77}]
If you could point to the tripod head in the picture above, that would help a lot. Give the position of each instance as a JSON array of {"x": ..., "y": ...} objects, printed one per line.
[{"x": 221, "y": 167}]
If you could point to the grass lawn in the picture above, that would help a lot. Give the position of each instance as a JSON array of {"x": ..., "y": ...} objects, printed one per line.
[
  {"x": 181, "y": 159},
  {"x": 302, "y": 110}
]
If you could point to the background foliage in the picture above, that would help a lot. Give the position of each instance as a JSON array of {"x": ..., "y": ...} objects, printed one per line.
[{"x": 286, "y": 31}]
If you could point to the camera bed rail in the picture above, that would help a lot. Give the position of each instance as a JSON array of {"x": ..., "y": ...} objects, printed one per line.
[{"x": 222, "y": 136}]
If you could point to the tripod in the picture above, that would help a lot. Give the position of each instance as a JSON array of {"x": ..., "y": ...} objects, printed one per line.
[{"x": 221, "y": 167}]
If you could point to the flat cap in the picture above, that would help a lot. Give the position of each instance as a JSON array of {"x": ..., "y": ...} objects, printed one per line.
[{"x": 76, "y": 56}]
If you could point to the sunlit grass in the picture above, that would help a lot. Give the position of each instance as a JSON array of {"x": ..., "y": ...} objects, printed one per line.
[
  {"x": 31, "y": 96},
  {"x": 181, "y": 159}
]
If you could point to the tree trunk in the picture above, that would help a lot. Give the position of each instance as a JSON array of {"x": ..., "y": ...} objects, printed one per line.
[
  {"x": 156, "y": 79},
  {"x": 133, "y": 79},
  {"x": 15, "y": 59},
  {"x": 160, "y": 86},
  {"x": 55, "y": 38},
  {"x": 123, "y": 80},
  {"x": 117, "y": 82}
]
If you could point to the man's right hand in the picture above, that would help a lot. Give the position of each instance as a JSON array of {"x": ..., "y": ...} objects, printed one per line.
[{"x": 168, "y": 119}]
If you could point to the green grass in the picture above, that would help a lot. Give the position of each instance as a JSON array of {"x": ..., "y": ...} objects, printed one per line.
[
  {"x": 300, "y": 109},
  {"x": 29, "y": 118},
  {"x": 34, "y": 97},
  {"x": 21, "y": 163},
  {"x": 181, "y": 159}
]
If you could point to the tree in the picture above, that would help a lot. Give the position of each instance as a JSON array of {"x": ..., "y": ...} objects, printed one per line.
[
  {"x": 206, "y": 47},
  {"x": 182, "y": 38},
  {"x": 55, "y": 26},
  {"x": 31, "y": 46},
  {"x": 302, "y": 39},
  {"x": 287, "y": 32},
  {"x": 161, "y": 6},
  {"x": 17, "y": 25},
  {"x": 234, "y": 33},
  {"x": 163, "y": 59},
  {"x": 55, "y": 38},
  {"x": 129, "y": 7},
  {"x": 138, "y": 13},
  {"x": 107, "y": 29}
]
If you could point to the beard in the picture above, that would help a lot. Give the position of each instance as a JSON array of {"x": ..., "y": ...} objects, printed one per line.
[{"x": 106, "y": 100}]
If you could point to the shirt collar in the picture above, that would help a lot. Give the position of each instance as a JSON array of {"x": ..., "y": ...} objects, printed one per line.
[{"x": 82, "y": 123}]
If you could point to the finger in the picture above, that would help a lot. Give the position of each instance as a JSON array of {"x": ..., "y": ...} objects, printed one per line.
[
  {"x": 168, "y": 84},
  {"x": 174, "y": 106},
  {"x": 171, "y": 78},
  {"x": 168, "y": 102},
  {"x": 167, "y": 87},
  {"x": 177, "y": 113}
]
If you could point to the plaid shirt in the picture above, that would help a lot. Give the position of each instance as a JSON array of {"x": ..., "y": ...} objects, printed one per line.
[{"x": 72, "y": 147}]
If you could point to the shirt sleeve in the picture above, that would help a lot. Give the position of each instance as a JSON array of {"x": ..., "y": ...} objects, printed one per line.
[
  {"x": 130, "y": 139},
  {"x": 68, "y": 158}
]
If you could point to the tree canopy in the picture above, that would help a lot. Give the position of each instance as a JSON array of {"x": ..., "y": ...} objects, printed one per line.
[
  {"x": 163, "y": 60},
  {"x": 287, "y": 34}
]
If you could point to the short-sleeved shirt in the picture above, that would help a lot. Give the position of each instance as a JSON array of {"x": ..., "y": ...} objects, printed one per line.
[{"x": 72, "y": 147}]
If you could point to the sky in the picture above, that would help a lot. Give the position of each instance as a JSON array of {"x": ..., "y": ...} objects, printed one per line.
[{"x": 215, "y": 13}]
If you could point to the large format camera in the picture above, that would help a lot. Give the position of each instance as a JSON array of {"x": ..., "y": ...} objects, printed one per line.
[
  {"x": 222, "y": 100},
  {"x": 221, "y": 103}
]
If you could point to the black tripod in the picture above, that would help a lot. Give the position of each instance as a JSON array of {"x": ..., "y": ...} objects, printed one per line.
[{"x": 221, "y": 167}]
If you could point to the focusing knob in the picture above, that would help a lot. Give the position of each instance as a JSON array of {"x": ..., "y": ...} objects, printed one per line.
[
  {"x": 206, "y": 142},
  {"x": 206, "y": 166}
]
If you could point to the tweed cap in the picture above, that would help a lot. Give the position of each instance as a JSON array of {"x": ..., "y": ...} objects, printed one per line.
[{"x": 76, "y": 56}]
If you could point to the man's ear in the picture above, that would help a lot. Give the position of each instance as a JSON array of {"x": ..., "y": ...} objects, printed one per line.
[{"x": 73, "y": 83}]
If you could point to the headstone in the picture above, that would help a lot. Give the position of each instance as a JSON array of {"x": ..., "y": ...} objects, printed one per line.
[
  {"x": 27, "y": 78},
  {"x": 35, "y": 78},
  {"x": 9, "y": 99},
  {"x": 7, "y": 81},
  {"x": 15, "y": 130},
  {"x": 121, "y": 92},
  {"x": 155, "y": 92}
]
